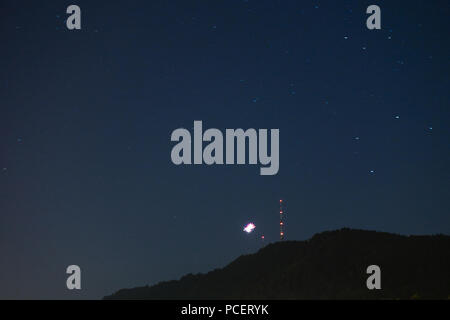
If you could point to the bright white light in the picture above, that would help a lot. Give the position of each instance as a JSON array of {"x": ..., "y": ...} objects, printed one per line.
[{"x": 249, "y": 227}]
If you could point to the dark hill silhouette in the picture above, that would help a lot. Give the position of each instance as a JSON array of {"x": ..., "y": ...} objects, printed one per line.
[{"x": 330, "y": 265}]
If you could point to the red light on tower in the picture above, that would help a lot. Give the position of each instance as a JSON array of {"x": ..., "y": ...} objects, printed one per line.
[{"x": 281, "y": 221}]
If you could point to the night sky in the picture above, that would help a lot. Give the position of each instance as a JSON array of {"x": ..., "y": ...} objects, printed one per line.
[{"x": 86, "y": 117}]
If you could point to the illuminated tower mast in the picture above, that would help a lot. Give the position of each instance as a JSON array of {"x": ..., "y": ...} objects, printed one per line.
[{"x": 281, "y": 221}]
